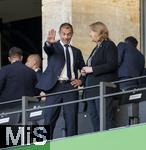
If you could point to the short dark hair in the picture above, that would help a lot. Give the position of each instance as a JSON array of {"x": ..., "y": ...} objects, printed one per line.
[
  {"x": 15, "y": 51},
  {"x": 132, "y": 40},
  {"x": 67, "y": 26}
]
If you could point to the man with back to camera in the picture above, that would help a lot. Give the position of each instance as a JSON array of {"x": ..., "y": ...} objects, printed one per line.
[
  {"x": 61, "y": 74},
  {"x": 16, "y": 80},
  {"x": 34, "y": 62},
  {"x": 131, "y": 62}
]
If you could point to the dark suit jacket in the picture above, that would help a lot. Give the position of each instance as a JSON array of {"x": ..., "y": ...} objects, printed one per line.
[
  {"x": 104, "y": 63},
  {"x": 38, "y": 74},
  {"x": 56, "y": 61},
  {"x": 131, "y": 61},
  {"x": 16, "y": 80},
  {"x": 142, "y": 81}
]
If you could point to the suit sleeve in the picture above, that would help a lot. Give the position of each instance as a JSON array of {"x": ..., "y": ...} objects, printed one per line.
[
  {"x": 81, "y": 64},
  {"x": 35, "y": 81},
  {"x": 2, "y": 79},
  {"x": 49, "y": 49},
  {"x": 121, "y": 52},
  {"x": 111, "y": 55}
]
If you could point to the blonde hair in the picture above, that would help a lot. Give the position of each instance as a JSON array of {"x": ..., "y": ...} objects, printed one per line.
[{"x": 100, "y": 28}]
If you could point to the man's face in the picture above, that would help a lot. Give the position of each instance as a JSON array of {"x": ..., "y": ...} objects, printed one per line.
[{"x": 65, "y": 35}]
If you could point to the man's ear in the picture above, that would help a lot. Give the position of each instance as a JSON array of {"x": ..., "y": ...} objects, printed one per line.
[{"x": 35, "y": 62}]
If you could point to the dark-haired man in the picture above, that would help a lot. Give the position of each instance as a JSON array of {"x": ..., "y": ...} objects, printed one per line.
[
  {"x": 61, "y": 74},
  {"x": 131, "y": 40}
]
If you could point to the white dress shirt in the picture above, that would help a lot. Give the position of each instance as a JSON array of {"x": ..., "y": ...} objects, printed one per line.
[{"x": 63, "y": 75}]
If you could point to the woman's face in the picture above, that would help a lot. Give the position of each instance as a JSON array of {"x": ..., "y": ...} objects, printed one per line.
[{"x": 94, "y": 36}]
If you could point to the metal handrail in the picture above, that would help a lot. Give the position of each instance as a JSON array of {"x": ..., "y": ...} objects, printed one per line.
[
  {"x": 64, "y": 103},
  {"x": 11, "y": 113},
  {"x": 75, "y": 101},
  {"x": 89, "y": 87},
  {"x": 12, "y": 101},
  {"x": 68, "y": 91},
  {"x": 124, "y": 92},
  {"x": 129, "y": 79},
  {"x": 74, "y": 90}
]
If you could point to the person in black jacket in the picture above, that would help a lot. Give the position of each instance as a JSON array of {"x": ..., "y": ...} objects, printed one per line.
[{"x": 102, "y": 65}]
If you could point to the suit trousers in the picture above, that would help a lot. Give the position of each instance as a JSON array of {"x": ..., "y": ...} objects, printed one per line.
[{"x": 70, "y": 112}]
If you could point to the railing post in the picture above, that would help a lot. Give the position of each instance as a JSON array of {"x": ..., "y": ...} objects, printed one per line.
[
  {"x": 102, "y": 107},
  {"x": 24, "y": 105},
  {"x": 103, "y": 86}
]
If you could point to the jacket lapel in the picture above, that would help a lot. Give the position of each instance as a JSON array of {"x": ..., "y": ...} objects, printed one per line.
[
  {"x": 91, "y": 54},
  {"x": 61, "y": 51},
  {"x": 74, "y": 55},
  {"x": 96, "y": 50}
]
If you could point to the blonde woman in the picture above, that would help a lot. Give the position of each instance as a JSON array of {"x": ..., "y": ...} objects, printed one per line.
[{"x": 101, "y": 66}]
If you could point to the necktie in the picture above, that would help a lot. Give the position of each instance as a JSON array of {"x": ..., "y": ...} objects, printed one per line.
[{"x": 68, "y": 61}]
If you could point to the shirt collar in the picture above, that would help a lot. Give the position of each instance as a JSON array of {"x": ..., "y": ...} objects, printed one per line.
[{"x": 63, "y": 44}]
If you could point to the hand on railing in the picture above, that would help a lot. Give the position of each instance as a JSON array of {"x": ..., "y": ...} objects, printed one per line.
[{"x": 43, "y": 98}]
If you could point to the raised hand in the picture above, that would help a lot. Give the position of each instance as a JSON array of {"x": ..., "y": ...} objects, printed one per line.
[{"x": 51, "y": 36}]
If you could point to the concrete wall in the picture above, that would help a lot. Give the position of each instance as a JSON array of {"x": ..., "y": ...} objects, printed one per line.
[
  {"x": 54, "y": 13},
  {"x": 121, "y": 17}
]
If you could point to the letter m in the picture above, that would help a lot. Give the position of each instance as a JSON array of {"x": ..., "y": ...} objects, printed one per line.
[{"x": 9, "y": 135}]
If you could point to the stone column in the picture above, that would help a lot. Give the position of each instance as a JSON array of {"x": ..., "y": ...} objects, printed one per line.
[{"x": 54, "y": 13}]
